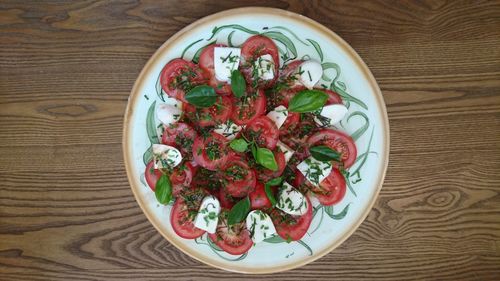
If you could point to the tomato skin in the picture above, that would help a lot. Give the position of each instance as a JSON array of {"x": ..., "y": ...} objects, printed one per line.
[
  {"x": 332, "y": 189},
  {"x": 181, "y": 223},
  {"x": 207, "y": 63},
  {"x": 264, "y": 131},
  {"x": 174, "y": 70},
  {"x": 209, "y": 116},
  {"x": 253, "y": 48},
  {"x": 216, "y": 143},
  {"x": 237, "y": 167},
  {"x": 246, "y": 111},
  {"x": 180, "y": 135},
  {"x": 296, "y": 227},
  {"x": 333, "y": 97},
  {"x": 181, "y": 178},
  {"x": 339, "y": 142},
  {"x": 235, "y": 239},
  {"x": 152, "y": 175},
  {"x": 258, "y": 197}
]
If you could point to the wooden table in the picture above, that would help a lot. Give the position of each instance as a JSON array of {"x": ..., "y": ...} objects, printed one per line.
[{"x": 66, "y": 208}]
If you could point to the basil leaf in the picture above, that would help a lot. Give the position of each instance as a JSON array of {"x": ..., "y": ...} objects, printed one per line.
[
  {"x": 269, "y": 192},
  {"x": 253, "y": 149},
  {"x": 238, "y": 84},
  {"x": 239, "y": 145},
  {"x": 307, "y": 101},
  {"x": 324, "y": 153},
  {"x": 239, "y": 211},
  {"x": 265, "y": 157},
  {"x": 163, "y": 190},
  {"x": 201, "y": 96}
]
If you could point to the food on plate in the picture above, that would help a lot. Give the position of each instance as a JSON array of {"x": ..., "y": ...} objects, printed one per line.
[{"x": 246, "y": 142}]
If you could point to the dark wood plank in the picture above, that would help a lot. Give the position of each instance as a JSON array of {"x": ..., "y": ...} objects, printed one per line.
[{"x": 66, "y": 209}]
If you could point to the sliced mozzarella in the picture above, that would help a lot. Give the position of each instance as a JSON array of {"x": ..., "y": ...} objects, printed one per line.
[
  {"x": 310, "y": 73},
  {"x": 291, "y": 201},
  {"x": 278, "y": 115},
  {"x": 265, "y": 67},
  {"x": 260, "y": 225},
  {"x": 166, "y": 156},
  {"x": 331, "y": 115},
  {"x": 315, "y": 171},
  {"x": 225, "y": 61},
  {"x": 168, "y": 113},
  {"x": 228, "y": 129},
  {"x": 286, "y": 150},
  {"x": 208, "y": 215}
]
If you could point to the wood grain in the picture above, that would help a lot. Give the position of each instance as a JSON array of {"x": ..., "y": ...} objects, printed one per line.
[{"x": 67, "y": 211}]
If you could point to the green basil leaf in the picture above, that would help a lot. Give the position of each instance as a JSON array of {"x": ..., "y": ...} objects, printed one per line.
[
  {"x": 253, "y": 149},
  {"x": 201, "y": 96},
  {"x": 269, "y": 192},
  {"x": 324, "y": 153},
  {"x": 265, "y": 157},
  {"x": 239, "y": 145},
  {"x": 307, "y": 101},
  {"x": 239, "y": 211},
  {"x": 238, "y": 84},
  {"x": 163, "y": 190}
]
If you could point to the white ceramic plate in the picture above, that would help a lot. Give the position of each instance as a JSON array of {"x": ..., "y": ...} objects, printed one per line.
[{"x": 345, "y": 72}]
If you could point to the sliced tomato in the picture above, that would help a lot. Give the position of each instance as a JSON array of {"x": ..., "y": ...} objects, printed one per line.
[
  {"x": 207, "y": 63},
  {"x": 181, "y": 178},
  {"x": 258, "y": 198},
  {"x": 210, "y": 116},
  {"x": 182, "y": 219},
  {"x": 337, "y": 141},
  {"x": 251, "y": 50},
  {"x": 179, "y": 135},
  {"x": 211, "y": 151},
  {"x": 239, "y": 178},
  {"x": 152, "y": 175},
  {"x": 280, "y": 160},
  {"x": 264, "y": 131},
  {"x": 249, "y": 107},
  {"x": 226, "y": 200},
  {"x": 292, "y": 227},
  {"x": 333, "y": 97},
  {"x": 179, "y": 76},
  {"x": 291, "y": 122},
  {"x": 296, "y": 138},
  {"x": 332, "y": 189},
  {"x": 234, "y": 239}
]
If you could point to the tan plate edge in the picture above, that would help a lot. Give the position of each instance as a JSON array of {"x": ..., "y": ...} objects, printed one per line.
[{"x": 132, "y": 178}]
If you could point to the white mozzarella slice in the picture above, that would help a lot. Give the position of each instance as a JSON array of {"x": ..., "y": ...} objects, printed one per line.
[
  {"x": 310, "y": 73},
  {"x": 291, "y": 201},
  {"x": 228, "y": 130},
  {"x": 315, "y": 171},
  {"x": 225, "y": 61},
  {"x": 260, "y": 225},
  {"x": 208, "y": 214},
  {"x": 331, "y": 114},
  {"x": 168, "y": 113},
  {"x": 278, "y": 115},
  {"x": 286, "y": 150},
  {"x": 166, "y": 156},
  {"x": 265, "y": 67}
]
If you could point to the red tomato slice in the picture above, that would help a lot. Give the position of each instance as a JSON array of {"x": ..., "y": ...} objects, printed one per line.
[
  {"x": 264, "y": 131},
  {"x": 181, "y": 178},
  {"x": 337, "y": 141},
  {"x": 332, "y": 189},
  {"x": 333, "y": 97},
  {"x": 253, "y": 48},
  {"x": 180, "y": 135},
  {"x": 152, "y": 175},
  {"x": 179, "y": 76},
  {"x": 207, "y": 63},
  {"x": 226, "y": 200},
  {"x": 258, "y": 198},
  {"x": 240, "y": 179},
  {"x": 292, "y": 227},
  {"x": 211, "y": 152},
  {"x": 267, "y": 174},
  {"x": 291, "y": 122},
  {"x": 210, "y": 116},
  {"x": 248, "y": 108},
  {"x": 234, "y": 239},
  {"x": 182, "y": 219},
  {"x": 296, "y": 138}
]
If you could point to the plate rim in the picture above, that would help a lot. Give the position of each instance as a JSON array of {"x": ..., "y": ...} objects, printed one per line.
[{"x": 355, "y": 58}]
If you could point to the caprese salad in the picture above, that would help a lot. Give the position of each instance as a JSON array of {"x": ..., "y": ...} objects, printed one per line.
[{"x": 245, "y": 145}]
